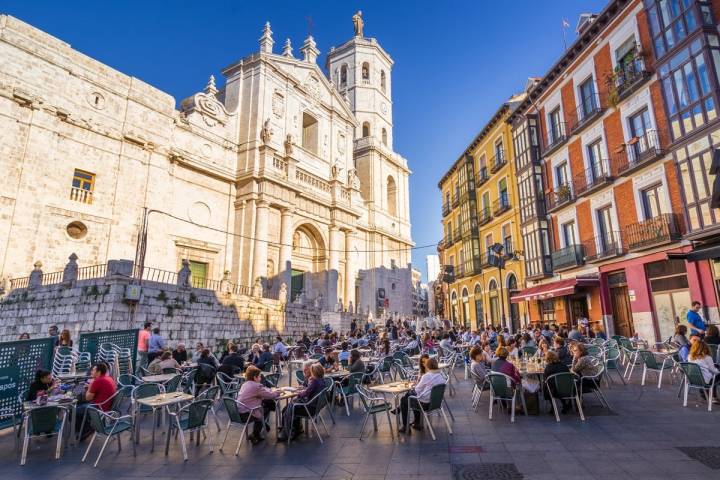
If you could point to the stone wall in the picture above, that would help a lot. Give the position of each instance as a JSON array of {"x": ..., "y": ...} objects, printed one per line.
[{"x": 184, "y": 315}]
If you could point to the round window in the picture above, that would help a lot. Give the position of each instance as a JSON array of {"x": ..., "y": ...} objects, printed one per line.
[{"x": 76, "y": 230}]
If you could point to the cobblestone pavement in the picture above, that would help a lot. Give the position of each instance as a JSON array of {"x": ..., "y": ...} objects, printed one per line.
[{"x": 650, "y": 436}]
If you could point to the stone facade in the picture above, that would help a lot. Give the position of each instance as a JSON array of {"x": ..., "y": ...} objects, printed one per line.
[
  {"x": 186, "y": 315},
  {"x": 269, "y": 176}
]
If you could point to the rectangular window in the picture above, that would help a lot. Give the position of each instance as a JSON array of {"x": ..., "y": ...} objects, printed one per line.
[
  {"x": 310, "y": 133},
  {"x": 568, "y": 233},
  {"x": 595, "y": 160},
  {"x": 499, "y": 151},
  {"x": 561, "y": 175},
  {"x": 83, "y": 185},
  {"x": 605, "y": 226},
  {"x": 488, "y": 243},
  {"x": 503, "y": 192},
  {"x": 588, "y": 102},
  {"x": 652, "y": 200},
  {"x": 507, "y": 239},
  {"x": 557, "y": 132}
]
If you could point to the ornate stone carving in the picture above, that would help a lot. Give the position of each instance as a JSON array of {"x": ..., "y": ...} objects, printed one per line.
[
  {"x": 266, "y": 132},
  {"x": 257, "y": 290},
  {"x": 288, "y": 144},
  {"x": 312, "y": 84},
  {"x": 225, "y": 285},
  {"x": 335, "y": 171},
  {"x": 353, "y": 179},
  {"x": 283, "y": 294},
  {"x": 341, "y": 141},
  {"x": 358, "y": 24},
  {"x": 278, "y": 104}
]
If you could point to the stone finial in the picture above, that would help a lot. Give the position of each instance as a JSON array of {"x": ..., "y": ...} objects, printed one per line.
[
  {"x": 35, "y": 279},
  {"x": 210, "y": 88},
  {"x": 183, "y": 278},
  {"x": 70, "y": 273},
  {"x": 309, "y": 50},
  {"x": 287, "y": 49},
  {"x": 266, "y": 41}
]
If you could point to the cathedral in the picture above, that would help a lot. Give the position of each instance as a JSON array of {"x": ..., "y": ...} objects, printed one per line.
[{"x": 282, "y": 174}]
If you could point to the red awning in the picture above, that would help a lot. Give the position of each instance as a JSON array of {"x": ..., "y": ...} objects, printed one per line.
[{"x": 554, "y": 289}]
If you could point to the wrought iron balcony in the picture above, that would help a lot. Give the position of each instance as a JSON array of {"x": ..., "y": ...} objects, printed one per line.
[
  {"x": 457, "y": 234},
  {"x": 455, "y": 200},
  {"x": 556, "y": 137},
  {"x": 589, "y": 110},
  {"x": 639, "y": 151},
  {"x": 498, "y": 161},
  {"x": 469, "y": 268},
  {"x": 559, "y": 197},
  {"x": 592, "y": 178},
  {"x": 629, "y": 77},
  {"x": 484, "y": 216},
  {"x": 484, "y": 260},
  {"x": 502, "y": 204},
  {"x": 603, "y": 246},
  {"x": 449, "y": 240},
  {"x": 482, "y": 176},
  {"x": 568, "y": 257},
  {"x": 652, "y": 232},
  {"x": 445, "y": 209}
]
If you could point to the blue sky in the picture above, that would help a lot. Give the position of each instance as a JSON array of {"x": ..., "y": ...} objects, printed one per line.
[{"x": 455, "y": 62}]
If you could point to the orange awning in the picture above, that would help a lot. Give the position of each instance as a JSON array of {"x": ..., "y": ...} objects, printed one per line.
[{"x": 554, "y": 289}]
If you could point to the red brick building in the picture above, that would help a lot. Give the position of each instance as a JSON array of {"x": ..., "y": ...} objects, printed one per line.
[{"x": 607, "y": 229}]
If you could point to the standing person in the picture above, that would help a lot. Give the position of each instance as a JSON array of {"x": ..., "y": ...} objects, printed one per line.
[
  {"x": 143, "y": 345},
  {"x": 353, "y": 326},
  {"x": 54, "y": 333},
  {"x": 697, "y": 325},
  {"x": 65, "y": 340},
  {"x": 156, "y": 344}
]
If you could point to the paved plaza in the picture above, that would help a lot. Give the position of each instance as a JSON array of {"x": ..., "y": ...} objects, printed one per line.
[{"x": 646, "y": 437}]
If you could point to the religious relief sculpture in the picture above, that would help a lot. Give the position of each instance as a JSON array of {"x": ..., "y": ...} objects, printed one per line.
[
  {"x": 296, "y": 240},
  {"x": 350, "y": 309},
  {"x": 358, "y": 24},
  {"x": 300, "y": 298},
  {"x": 288, "y": 145},
  {"x": 266, "y": 133},
  {"x": 353, "y": 179},
  {"x": 183, "y": 278}
]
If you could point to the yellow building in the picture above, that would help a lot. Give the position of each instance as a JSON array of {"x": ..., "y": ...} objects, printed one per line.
[{"x": 481, "y": 221}]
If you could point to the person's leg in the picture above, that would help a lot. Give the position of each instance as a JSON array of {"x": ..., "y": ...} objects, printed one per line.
[{"x": 404, "y": 410}]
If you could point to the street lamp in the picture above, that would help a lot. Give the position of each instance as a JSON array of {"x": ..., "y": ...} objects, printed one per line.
[{"x": 497, "y": 259}]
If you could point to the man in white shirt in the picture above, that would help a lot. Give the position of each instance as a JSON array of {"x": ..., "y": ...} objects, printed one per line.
[
  {"x": 422, "y": 391},
  {"x": 446, "y": 343},
  {"x": 280, "y": 347}
]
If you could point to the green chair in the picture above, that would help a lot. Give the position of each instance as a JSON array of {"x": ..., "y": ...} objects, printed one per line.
[
  {"x": 173, "y": 384},
  {"x": 267, "y": 367},
  {"x": 144, "y": 390},
  {"x": 612, "y": 362},
  {"x": 299, "y": 376},
  {"x": 235, "y": 418},
  {"x": 386, "y": 368},
  {"x": 350, "y": 388},
  {"x": 374, "y": 405},
  {"x": 650, "y": 363},
  {"x": 229, "y": 386},
  {"x": 212, "y": 394},
  {"x": 694, "y": 379},
  {"x": 502, "y": 387},
  {"x": 191, "y": 418},
  {"x": 108, "y": 426},
  {"x": 562, "y": 386},
  {"x": 271, "y": 379},
  {"x": 311, "y": 410},
  {"x": 434, "y": 407},
  {"x": 43, "y": 422},
  {"x": 114, "y": 403}
]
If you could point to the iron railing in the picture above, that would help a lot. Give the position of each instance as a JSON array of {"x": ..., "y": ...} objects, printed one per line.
[
  {"x": 651, "y": 232},
  {"x": 603, "y": 246},
  {"x": 498, "y": 161},
  {"x": 629, "y": 76},
  {"x": 482, "y": 176},
  {"x": 484, "y": 216},
  {"x": 445, "y": 209},
  {"x": 589, "y": 109},
  {"x": 556, "y": 137},
  {"x": 501, "y": 204},
  {"x": 562, "y": 195},
  {"x": 592, "y": 178},
  {"x": 568, "y": 257},
  {"x": 638, "y": 151}
]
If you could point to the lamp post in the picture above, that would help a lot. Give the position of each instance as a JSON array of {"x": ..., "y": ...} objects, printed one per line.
[{"x": 497, "y": 259}]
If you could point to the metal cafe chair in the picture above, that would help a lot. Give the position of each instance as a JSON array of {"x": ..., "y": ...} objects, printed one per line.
[
  {"x": 562, "y": 386},
  {"x": 502, "y": 387},
  {"x": 235, "y": 418},
  {"x": 191, "y": 418},
  {"x": 374, "y": 405},
  {"x": 108, "y": 425},
  {"x": 44, "y": 422},
  {"x": 434, "y": 407}
]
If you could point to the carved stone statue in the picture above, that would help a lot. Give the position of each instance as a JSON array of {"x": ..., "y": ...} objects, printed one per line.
[
  {"x": 183, "y": 279},
  {"x": 225, "y": 285},
  {"x": 351, "y": 309},
  {"x": 300, "y": 298},
  {"x": 266, "y": 133},
  {"x": 358, "y": 24},
  {"x": 318, "y": 303},
  {"x": 353, "y": 179},
  {"x": 257, "y": 290},
  {"x": 288, "y": 145},
  {"x": 70, "y": 273},
  {"x": 335, "y": 170},
  {"x": 283, "y": 294}
]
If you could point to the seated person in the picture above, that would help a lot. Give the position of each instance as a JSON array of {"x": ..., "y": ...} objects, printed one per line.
[
  {"x": 700, "y": 355},
  {"x": 180, "y": 354},
  {"x": 41, "y": 386},
  {"x": 328, "y": 361},
  {"x": 584, "y": 365},
  {"x": 207, "y": 358},
  {"x": 254, "y": 355},
  {"x": 280, "y": 347},
  {"x": 712, "y": 335},
  {"x": 292, "y": 416},
  {"x": 264, "y": 357},
  {"x": 422, "y": 390},
  {"x": 355, "y": 362},
  {"x": 252, "y": 395},
  {"x": 501, "y": 365},
  {"x": 554, "y": 365},
  {"x": 477, "y": 366},
  {"x": 101, "y": 389},
  {"x": 413, "y": 346},
  {"x": 162, "y": 362},
  {"x": 562, "y": 351},
  {"x": 344, "y": 353},
  {"x": 232, "y": 363}
]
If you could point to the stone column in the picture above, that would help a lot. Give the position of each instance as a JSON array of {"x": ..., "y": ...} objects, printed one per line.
[
  {"x": 350, "y": 268},
  {"x": 286, "y": 240},
  {"x": 261, "y": 235},
  {"x": 335, "y": 247}
]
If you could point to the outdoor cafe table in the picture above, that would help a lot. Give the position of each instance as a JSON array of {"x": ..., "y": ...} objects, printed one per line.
[
  {"x": 441, "y": 366},
  {"x": 69, "y": 404},
  {"x": 158, "y": 378},
  {"x": 292, "y": 363},
  {"x": 286, "y": 394},
  {"x": 72, "y": 377},
  {"x": 416, "y": 358},
  {"x": 163, "y": 400},
  {"x": 395, "y": 389}
]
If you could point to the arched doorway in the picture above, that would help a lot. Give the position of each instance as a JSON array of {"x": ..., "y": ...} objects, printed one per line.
[
  {"x": 479, "y": 314},
  {"x": 494, "y": 303},
  {"x": 453, "y": 307},
  {"x": 514, "y": 308},
  {"x": 308, "y": 257},
  {"x": 465, "y": 307}
]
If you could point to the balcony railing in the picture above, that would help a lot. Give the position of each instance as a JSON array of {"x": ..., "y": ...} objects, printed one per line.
[
  {"x": 556, "y": 137},
  {"x": 589, "y": 110},
  {"x": 652, "y": 232},
  {"x": 628, "y": 77},
  {"x": 603, "y": 246},
  {"x": 449, "y": 240},
  {"x": 445, "y": 209},
  {"x": 469, "y": 268},
  {"x": 568, "y": 257},
  {"x": 81, "y": 195},
  {"x": 457, "y": 234},
  {"x": 498, "y": 161},
  {"x": 559, "y": 197},
  {"x": 639, "y": 151},
  {"x": 502, "y": 204},
  {"x": 592, "y": 178},
  {"x": 482, "y": 176},
  {"x": 455, "y": 200},
  {"x": 484, "y": 260},
  {"x": 484, "y": 216}
]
